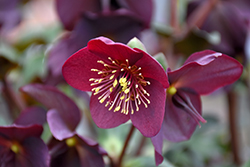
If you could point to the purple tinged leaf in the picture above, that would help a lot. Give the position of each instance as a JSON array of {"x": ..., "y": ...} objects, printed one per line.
[{"x": 54, "y": 99}]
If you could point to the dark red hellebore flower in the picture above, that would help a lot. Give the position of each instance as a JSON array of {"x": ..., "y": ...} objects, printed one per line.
[
  {"x": 21, "y": 146},
  {"x": 67, "y": 148},
  {"x": 202, "y": 73},
  {"x": 126, "y": 84}
]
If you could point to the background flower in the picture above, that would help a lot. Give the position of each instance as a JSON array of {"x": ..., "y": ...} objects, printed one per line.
[{"x": 118, "y": 20}]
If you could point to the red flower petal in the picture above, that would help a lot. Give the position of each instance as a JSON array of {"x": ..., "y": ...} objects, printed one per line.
[
  {"x": 204, "y": 79},
  {"x": 117, "y": 51},
  {"x": 103, "y": 117},
  {"x": 52, "y": 98},
  {"x": 152, "y": 69},
  {"x": 36, "y": 153},
  {"x": 57, "y": 125},
  {"x": 77, "y": 69},
  {"x": 149, "y": 120},
  {"x": 19, "y": 133},
  {"x": 203, "y": 57},
  {"x": 178, "y": 125},
  {"x": 158, "y": 144}
]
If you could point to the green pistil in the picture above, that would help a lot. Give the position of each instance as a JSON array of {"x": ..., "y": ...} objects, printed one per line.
[
  {"x": 171, "y": 90},
  {"x": 15, "y": 148},
  {"x": 71, "y": 142}
]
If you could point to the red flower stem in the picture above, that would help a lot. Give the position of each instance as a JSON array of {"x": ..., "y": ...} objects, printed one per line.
[
  {"x": 232, "y": 104},
  {"x": 125, "y": 146},
  {"x": 200, "y": 14},
  {"x": 142, "y": 142},
  {"x": 173, "y": 15}
]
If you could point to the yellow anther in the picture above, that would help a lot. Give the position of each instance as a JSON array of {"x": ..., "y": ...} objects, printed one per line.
[
  {"x": 127, "y": 100},
  {"x": 97, "y": 90},
  {"x": 148, "y": 82},
  {"x": 115, "y": 83},
  {"x": 127, "y": 112},
  {"x": 107, "y": 104},
  {"x": 100, "y": 72},
  {"x": 113, "y": 71},
  {"x": 122, "y": 97},
  {"x": 126, "y": 90},
  {"x": 171, "y": 90},
  {"x": 102, "y": 100},
  {"x": 111, "y": 89},
  {"x": 117, "y": 108},
  {"x": 112, "y": 77},
  {"x": 100, "y": 61},
  {"x": 122, "y": 80},
  {"x": 94, "y": 70},
  {"x": 71, "y": 142},
  {"x": 91, "y": 79},
  {"x": 132, "y": 111},
  {"x": 148, "y": 101},
  {"x": 100, "y": 80},
  {"x": 15, "y": 148}
]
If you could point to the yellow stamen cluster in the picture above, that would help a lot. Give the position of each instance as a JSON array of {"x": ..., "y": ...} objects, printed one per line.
[{"x": 121, "y": 85}]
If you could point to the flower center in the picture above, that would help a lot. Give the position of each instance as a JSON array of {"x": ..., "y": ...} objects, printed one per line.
[
  {"x": 182, "y": 100},
  {"x": 171, "y": 90},
  {"x": 121, "y": 86},
  {"x": 71, "y": 142},
  {"x": 15, "y": 147}
]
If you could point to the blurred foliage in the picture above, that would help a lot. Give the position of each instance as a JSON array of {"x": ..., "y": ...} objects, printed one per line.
[{"x": 208, "y": 147}]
